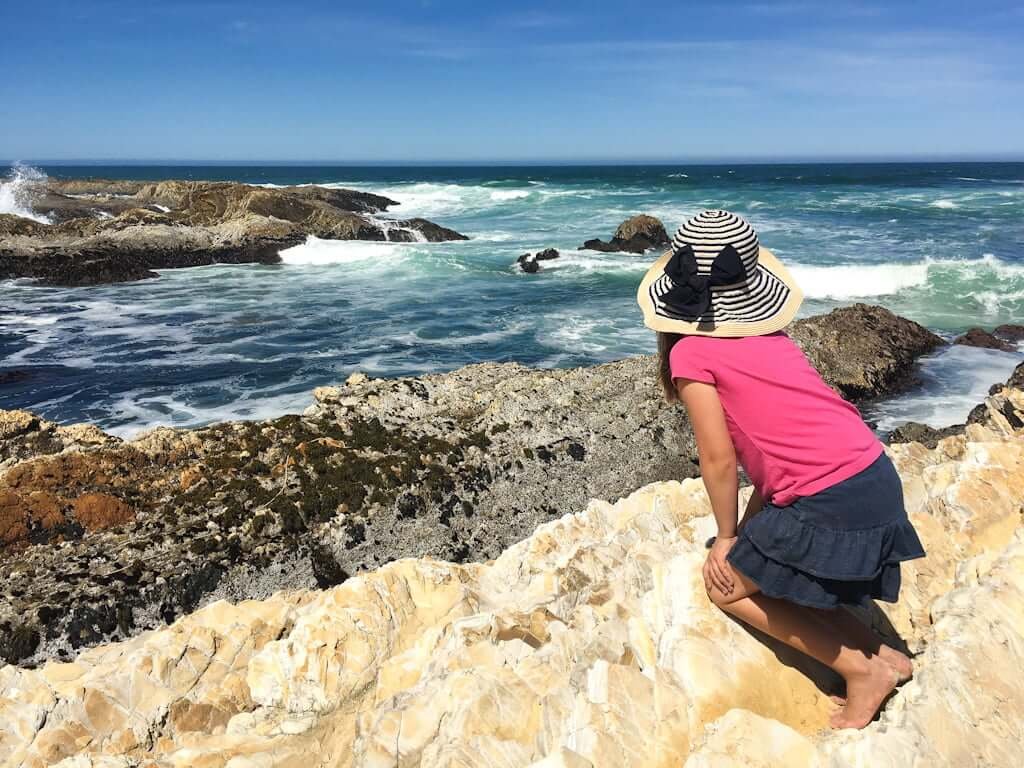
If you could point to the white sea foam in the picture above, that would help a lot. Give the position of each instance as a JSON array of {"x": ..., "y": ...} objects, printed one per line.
[
  {"x": 594, "y": 261},
  {"x": 853, "y": 281},
  {"x": 947, "y": 204},
  {"x": 953, "y": 381},
  {"x": 16, "y": 192},
  {"x": 857, "y": 281},
  {"x": 317, "y": 252},
  {"x": 500, "y": 195}
]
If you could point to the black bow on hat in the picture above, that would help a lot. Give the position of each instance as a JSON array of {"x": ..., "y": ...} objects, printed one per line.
[{"x": 691, "y": 292}]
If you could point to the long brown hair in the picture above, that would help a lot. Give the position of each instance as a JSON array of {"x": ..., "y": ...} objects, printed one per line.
[{"x": 665, "y": 342}]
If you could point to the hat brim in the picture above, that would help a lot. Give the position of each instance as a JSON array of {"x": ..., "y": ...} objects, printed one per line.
[{"x": 730, "y": 323}]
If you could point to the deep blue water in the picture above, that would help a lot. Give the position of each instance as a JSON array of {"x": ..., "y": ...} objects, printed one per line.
[{"x": 940, "y": 243}]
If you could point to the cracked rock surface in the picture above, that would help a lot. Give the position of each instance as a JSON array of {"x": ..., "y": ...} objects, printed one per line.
[{"x": 590, "y": 642}]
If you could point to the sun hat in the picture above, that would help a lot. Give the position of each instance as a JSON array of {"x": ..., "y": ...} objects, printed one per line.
[{"x": 718, "y": 280}]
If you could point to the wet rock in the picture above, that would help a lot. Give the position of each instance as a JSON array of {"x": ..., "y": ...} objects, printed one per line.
[
  {"x": 1009, "y": 332},
  {"x": 862, "y": 350},
  {"x": 647, "y": 227},
  {"x": 204, "y": 223},
  {"x": 547, "y": 254},
  {"x": 978, "y": 337},
  {"x": 635, "y": 235}
]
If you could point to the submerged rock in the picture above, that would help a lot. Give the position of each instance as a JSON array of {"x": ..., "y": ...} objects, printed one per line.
[
  {"x": 1010, "y": 332},
  {"x": 172, "y": 224},
  {"x": 979, "y": 337},
  {"x": 589, "y": 642}
]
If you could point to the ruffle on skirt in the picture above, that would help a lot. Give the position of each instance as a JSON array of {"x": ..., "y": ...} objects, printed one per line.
[{"x": 815, "y": 551}]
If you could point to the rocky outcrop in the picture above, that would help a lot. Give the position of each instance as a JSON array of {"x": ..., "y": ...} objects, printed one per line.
[
  {"x": 528, "y": 262},
  {"x": 121, "y": 231},
  {"x": 864, "y": 351},
  {"x": 635, "y": 235},
  {"x": 590, "y": 642},
  {"x": 1010, "y": 332},
  {"x": 979, "y": 337},
  {"x": 456, "y": 465}
]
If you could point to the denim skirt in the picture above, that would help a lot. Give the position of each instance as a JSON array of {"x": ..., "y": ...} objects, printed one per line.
[{"x": 843, "y": 544}]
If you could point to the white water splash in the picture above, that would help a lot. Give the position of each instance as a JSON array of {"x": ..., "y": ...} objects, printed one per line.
[{"x": 16, "y": 192}]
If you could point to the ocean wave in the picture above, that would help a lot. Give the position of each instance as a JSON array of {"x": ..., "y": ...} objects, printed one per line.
[
  {"x": 16, "y": 192},
  {"x": 855, "y": 281},
  {"x": 318, "y": 252},
  {"x": 952, "y": 382},
  {"x": 594, "y": 261}
]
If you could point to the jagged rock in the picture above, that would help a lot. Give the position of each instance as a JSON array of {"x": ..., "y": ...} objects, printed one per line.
[
  {"x": 864, "y": 351},
  {"x": 979, "y": 337},
  {"x": 1009, "y": 332},
  {"x": 453, "y": 465},
  {"x": 204, "y": 223},
  {"x": 635, "y": 235},
  {"x": 590, "y": 642},
  {"x": 528, "y": 265},
  {"x": 647, "y": 227},
  {"x": 914, "y": 432},
  {"x": 528, "y": 261}
]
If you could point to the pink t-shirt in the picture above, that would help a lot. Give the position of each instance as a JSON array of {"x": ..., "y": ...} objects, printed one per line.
[{"x": 793, "y": 434}]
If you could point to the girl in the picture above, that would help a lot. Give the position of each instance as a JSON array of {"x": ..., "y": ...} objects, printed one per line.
[{"x": 825, "y": 525}]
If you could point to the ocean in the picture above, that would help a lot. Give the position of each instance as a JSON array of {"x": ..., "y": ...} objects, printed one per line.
[{"x": 940, "y": 243}]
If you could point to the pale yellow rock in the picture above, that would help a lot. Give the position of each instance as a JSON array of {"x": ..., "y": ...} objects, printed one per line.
[{"x": 590, "y": 643}]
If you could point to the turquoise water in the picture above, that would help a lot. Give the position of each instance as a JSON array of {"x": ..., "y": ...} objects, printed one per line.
[{"x": 942, "y": 244}]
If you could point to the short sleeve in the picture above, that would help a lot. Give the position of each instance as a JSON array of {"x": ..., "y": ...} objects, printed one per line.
[{"x": 686, "y": 360}]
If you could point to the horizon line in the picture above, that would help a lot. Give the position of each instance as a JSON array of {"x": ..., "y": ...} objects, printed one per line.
[{"x": 996, "y": 157}]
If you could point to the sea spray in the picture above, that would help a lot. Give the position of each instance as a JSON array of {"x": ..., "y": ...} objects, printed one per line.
[{"x": 17, "y": 190}]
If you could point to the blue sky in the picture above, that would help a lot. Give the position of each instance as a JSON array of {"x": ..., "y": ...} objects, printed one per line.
[{"x": 438, "y": 80}]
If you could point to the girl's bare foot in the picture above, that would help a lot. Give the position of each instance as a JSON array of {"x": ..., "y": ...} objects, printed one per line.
[
  {"x": 865, "y": 693},
  {"x": 899, "y": 661}
]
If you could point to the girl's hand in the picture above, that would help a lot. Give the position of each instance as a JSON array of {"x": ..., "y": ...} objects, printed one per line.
[{"x": 717, "y": 570}]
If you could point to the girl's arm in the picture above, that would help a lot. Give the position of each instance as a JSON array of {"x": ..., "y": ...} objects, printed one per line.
[{"x": 715, "y": 450}]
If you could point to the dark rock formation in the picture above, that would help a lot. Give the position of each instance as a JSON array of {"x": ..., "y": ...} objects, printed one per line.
[
  {"x": 120, "y": 231},
  {"x": 979, "y": 337},
  {"x": 635, "y": 235},
  {"x": 103, "y": 538},
  {"x": 528, "y": 261},
  {"x": 915, "y": 432},
  {"x": 1009, "y": 332},
  {"x": 864, "y": 351}
]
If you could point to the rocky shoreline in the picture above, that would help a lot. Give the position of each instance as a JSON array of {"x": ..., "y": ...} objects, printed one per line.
[
  {"x": 589, "y": 642},
  {"x": 106, "y": 231},
  {"x": 104, "y": 538}
]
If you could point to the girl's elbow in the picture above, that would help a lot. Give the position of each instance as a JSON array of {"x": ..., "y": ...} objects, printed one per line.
[{"x": 719, "y": 465}]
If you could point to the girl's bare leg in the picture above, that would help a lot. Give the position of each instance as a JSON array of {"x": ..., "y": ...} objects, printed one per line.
[
  {"x": 869, "y": 678},
  {"x": 864, "y": 636}
]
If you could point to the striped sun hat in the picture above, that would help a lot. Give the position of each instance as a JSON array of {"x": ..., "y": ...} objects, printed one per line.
[{"x": 718, "y": 280}]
